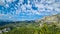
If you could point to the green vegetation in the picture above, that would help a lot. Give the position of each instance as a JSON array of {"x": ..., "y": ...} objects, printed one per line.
[
  {"x": 44, "y": 29},
  {"x": 47, "y": 25}
]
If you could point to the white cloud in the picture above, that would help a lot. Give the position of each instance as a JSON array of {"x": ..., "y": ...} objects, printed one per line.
[
  {"x": 2, "y": 2},
  {"x": 2, "y": 15},
  {"x": 55, "y": 5},
  {"x": 39, "y": 5},
  {"x": 49, "y": 7},
  {"x": 57, "y": 9},
  {"x": 6, "y": 5},
  {"x": 23, "y": 8},
  {"x": 28, "y": 6},
  {"x": 41, "y": 8},
  {"x": 50, "y": 1},
  {"x": 42, "y": 1},
  {"x": 18, "y": 11},
  {"x": 9, "y": 1},
  {"x": 10, "y": 17}
]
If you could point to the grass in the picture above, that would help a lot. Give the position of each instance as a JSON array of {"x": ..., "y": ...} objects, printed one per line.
[{"x": 44, "y": 29}]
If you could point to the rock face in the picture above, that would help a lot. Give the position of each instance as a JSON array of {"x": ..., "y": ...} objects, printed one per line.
[{"x": 51, "y": 19}]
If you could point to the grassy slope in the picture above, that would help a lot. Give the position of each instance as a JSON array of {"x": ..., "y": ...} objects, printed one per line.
[{"x": 47, "y": 25}]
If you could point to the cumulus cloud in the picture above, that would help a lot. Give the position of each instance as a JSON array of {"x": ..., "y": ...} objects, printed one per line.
[
  {"x": 2, "y": 2},
  {"x": 41, "y": 8},
  {"x": 9, "y": 1}
]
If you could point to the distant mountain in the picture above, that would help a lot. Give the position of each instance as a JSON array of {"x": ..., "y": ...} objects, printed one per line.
[
  {"x": 47, "y": 19},
  {"x": 6, "y": 22}
]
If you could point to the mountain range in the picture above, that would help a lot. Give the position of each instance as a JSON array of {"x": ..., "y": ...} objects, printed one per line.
[{"x": 47, "y": 19}]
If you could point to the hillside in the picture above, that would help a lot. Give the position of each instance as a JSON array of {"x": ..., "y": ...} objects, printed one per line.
[
  {"x": 46, "y": 25},
  {"x": 50, "y": 19}
]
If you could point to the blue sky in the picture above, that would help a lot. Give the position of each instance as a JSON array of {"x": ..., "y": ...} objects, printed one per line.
[{"x": 18, "y": 10}]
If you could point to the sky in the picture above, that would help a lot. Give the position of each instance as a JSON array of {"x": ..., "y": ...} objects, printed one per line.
[{"x": 17, "y": 10}]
